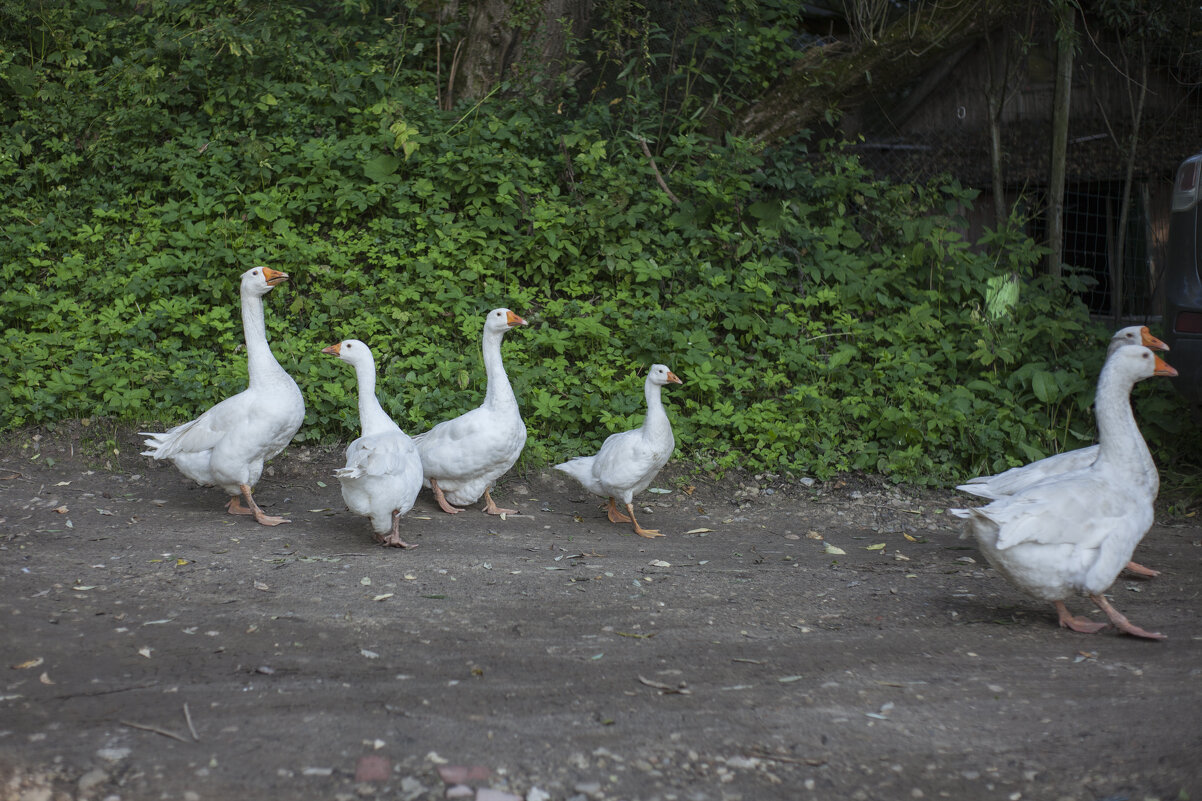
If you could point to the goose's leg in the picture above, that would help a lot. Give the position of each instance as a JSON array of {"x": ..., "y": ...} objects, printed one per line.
[
  {"x": 1121, "y": 622},
  {"x": 393, "y": 540},
  {"x": 1081, "y": 624},
  {"x": 1137, "y": 569},
  {"x": 616, "y": 516},
  {"x": 490, "y": 507},
  {"x": 442, "y": 499},
  {"x": 649, "y": 533},
  {"x": 235, "y": 507}
]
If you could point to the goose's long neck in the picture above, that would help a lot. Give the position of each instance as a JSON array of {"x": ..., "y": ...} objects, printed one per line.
[
  {"x": 657, "y": 419},
  {"x": 499, "y": 392},
  {"x": 372, "y": 417},
  {"x": 261, "y": 363},
  {"x": 1120, "y": 442}
]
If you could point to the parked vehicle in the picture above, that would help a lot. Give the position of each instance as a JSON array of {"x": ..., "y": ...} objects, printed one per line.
[{"x": 1183, "y": 280}]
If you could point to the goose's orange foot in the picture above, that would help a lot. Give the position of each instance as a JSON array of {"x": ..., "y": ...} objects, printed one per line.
[
  {"x": 442, "y": 499},
  {"x": 491, "y": 508},
  {"x": 1136, "y": 569},
  {"x": 1081, "y": 624},
  {"x": 616, "y": 516},
  {"x": 236, "y": 507},
  {"x": 649, "y": 533},
  {"x": 1122, "y": 623}
]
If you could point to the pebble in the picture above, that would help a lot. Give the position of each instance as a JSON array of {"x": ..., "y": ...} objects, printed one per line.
[
  {"x": 113, "y": 754},
  {"x": 489, "y": 794},
  {"x": 588, "y": 788},
  {"x": 92, "y": 779},
  {"x": 537, "y": 794},
  {"x": 460, "y": 791}
]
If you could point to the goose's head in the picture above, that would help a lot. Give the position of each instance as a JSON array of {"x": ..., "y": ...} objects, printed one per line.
[
  {"x": 352, "y": 351},
  {"x": 662, "y": 376},
  {"x": 1139, "y": 363},
  {"x": 260, "y": 280},
  {"x": 499, "y": 321},
  {"x": 1135, "y": 335}
]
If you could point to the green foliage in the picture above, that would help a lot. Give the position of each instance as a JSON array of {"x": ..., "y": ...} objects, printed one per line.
[{"x": 823, "y": 321}]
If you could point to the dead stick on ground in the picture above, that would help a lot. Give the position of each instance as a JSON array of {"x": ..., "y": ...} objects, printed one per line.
[
  {"x": 659, "y": 178},
  {"x": 154, "y": 729},
  {"x": 191, "y": 728}
]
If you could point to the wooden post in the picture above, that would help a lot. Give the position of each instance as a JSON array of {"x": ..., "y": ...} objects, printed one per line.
[{"x": 1066, "y": 20}]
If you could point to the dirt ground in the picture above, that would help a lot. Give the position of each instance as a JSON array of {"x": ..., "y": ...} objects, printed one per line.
[{"x": 157, "y": 648}]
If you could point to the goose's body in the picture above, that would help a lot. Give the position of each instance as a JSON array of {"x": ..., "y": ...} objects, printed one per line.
[
  {"x": 1073, "y": 534},
  {"x": 383, "y": 472},
  {"x": 228, "y": 444},
  {"x": 1017, "y": 479},
  {"x": 629, "y": 460},
  {"x": 463, "y": 457}
]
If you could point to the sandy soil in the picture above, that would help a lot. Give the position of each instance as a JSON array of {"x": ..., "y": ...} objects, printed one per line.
[{"x": 157, "y": 648}]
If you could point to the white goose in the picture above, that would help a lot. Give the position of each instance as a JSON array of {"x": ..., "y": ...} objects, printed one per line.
[
  {"x": 383, "y": 472},
  {"x": 1017, "y": 479},
  {"x": 1075, "y": 533},
  {"x": 629, "y": 460},
  {"x": 227, "y": 445},
  {"x": 463, "y": 457}
]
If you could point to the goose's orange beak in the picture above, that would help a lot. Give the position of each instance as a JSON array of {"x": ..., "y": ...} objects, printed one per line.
[
  {"x": 1148, "y": 341},
  {"x": 1164, "y": 369},
  {"x": 513, "y": 320},
  {"x": 673, "y": 379},
  {"x": 333, "y": 350},
  {"x": 274, "y": 277}
]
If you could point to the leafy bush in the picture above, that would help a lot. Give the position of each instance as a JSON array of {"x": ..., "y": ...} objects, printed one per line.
[{"x": 823, "y": 321}]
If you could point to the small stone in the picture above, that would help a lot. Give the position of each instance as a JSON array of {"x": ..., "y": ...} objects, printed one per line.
[
  {"x": 591, "y": 789},
  {"x": 91, "y": 780},
  {"x": 536, "y": 794},
  {"x": 373, "y": 768},
  {"x": 489, "y": 794},
  {"x": 460, "y": 791},
  {"x": 113, "y": 754},
  {"x": 411, "y": 787},
  {"x": 464, "y": 774}
]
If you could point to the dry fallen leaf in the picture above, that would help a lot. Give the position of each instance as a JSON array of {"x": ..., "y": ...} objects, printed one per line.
[
  {"x": 699, "y": 531},
  {"x": 834, "y": 550},
  {"x": 659, "y": 563},
  {"x": 880, "y": 546},
  {"x": 813, "y": 535},
  {"x": 62, "y": 510},
  {"x": 261, "y": 586},
  {"x": 383, "y": 597},
  {"x": 31, "y": 663},
  {"x": 45, "y": 678},
  {"x": 145, "y": 651}
]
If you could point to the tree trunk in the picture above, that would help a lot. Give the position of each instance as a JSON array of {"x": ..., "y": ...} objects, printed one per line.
[
  {"x": 528, "y": 43},
  {"x": 1065, "y": 38},
  {"x": 1116, "y": 268}
]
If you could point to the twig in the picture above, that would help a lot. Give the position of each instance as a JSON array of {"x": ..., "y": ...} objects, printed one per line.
[
  {"x": 813, "y": 761},
  {"x": 191, "y": 728},
  {"x": 658, "y": 176},
  {"x": 154, "y": 729}
]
